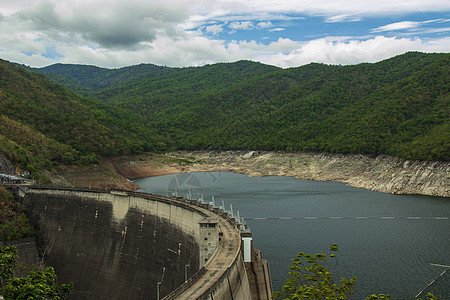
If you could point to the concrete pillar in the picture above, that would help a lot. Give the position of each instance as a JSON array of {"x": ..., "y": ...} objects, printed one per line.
[
  {"x": 208, "y": 238},
  {"x": 247, "y": 244}
]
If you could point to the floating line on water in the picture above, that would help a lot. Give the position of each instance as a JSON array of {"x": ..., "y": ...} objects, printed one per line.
[{"x": 356, "y": 218}]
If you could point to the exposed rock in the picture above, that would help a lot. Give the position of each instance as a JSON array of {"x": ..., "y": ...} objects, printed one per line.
[
  {"x": 102, "y": 176},
  {"x": 248, "y": 155},
  {"x": 381, "y": 173}
]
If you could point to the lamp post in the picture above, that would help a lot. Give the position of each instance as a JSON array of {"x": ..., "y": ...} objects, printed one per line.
[
  {"x": 158, "y": 284},
  {"x": 186, "y": 272}
]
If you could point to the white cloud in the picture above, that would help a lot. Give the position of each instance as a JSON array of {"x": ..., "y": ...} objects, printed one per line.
[
  {"x": 249, "y": 25},
  {"x": 397, "y": 26},
  {"x": 214, "y": 29},
  {"x": 437, "y": 45},
  {"x": 413, "y": 27},
  {"x": 436, "y": 21},
  {"x": 266, "y": 24},
  {"x": 351, "y": 51},
  {"x": 198, "y": 50},
  {"x": 342, "y": 7},
  {"x": 115, "y": 33},
  {"x": 116, "y": 24},
  {"x": 436, "y": 30},
  {"x": 277, "y": 29},
  {"x": 8, "y": 8},
  {"x": 283, "y": 45},
  {"x": 246, "y": 25},
  {"x": 343, "y": 18}
]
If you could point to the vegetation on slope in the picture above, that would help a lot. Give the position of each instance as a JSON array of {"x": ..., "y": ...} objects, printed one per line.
[
  {"x": 386, "y": 107},
  {"x": 85, "y": 80},
  {"x": 14, "y": 224},
  {"x": 44, "y": 124},
  {"x": 37, "y": 284},
  {"x": 30, "y": 149},
  {"x": 398, "y": 106},
  {"x": 113, "y": 85}
]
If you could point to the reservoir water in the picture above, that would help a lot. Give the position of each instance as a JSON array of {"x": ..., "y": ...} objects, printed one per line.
[{"x": 387, "y": 241}]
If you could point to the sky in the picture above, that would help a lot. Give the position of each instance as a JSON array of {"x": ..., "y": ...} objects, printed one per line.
[{"x": 177, "y": 33}]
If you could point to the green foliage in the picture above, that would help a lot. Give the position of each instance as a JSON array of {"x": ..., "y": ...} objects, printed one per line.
[
  {"x": 43, "y": 124},
  {"x": 146, "y": 78},
  {"x": 387, "y": 297},
  {"x": 30, "y": 149},
  {"x": 37, "y": 284},
  {"x": 310, "y": 278},
  {"x": 16, "y": 229},
  {"x": 379, "y": 297},
  {"x": 13, "y": 222},
  {"x": 8, "y": 263}
]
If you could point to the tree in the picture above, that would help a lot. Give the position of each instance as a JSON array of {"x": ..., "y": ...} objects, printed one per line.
[
  {"x": 14, "y": 224},
  {"x": 311, "y": 278},
  {"x": 37, "y": 284}
]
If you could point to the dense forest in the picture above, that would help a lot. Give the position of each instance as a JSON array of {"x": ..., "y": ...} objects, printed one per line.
[
  {"x": 44, "y": 124},
  {"x": 75, "y": 114},
  {"x": 399, "y": 106}
]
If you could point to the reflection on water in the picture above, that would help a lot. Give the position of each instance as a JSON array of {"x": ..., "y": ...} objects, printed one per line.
[{"x": 386, "y": 241}]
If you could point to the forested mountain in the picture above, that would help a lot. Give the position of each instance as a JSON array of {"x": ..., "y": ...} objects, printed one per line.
[
  {"x": 43, "y": 124},
  {"x": 114, "y": 84},
  {"x": 399, "y": 106}
]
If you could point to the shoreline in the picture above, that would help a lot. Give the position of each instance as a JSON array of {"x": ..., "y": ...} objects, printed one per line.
[{"x": 380, "y": 173}]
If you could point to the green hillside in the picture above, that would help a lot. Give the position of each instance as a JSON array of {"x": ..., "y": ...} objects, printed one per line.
[
  {"x": 85, "y": 80},
  {"x": 118, "y": 85},
  {"x": 399, "y": 106},
  {"x": 44, "y": 124}
]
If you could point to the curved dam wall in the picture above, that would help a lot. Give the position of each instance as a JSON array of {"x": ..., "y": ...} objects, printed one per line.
[{"x": 127, "y": 245}]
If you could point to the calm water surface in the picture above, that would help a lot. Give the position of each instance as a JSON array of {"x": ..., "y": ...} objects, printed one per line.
[{"x": 390, "y": 251}]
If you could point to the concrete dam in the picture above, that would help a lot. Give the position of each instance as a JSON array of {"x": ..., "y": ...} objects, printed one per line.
[{"x": 130, "y": 245}]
